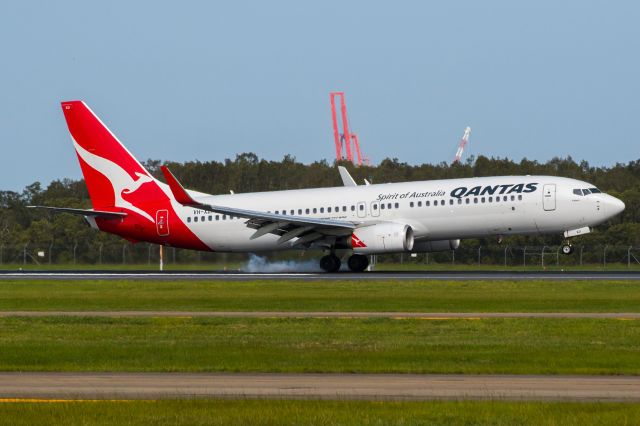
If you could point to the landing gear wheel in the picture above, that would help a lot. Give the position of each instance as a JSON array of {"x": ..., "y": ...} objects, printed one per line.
[
  {"x": 567, "y": 249},
  {"x": 358, "y": 262},
  {"x": 330, "y": 263}
]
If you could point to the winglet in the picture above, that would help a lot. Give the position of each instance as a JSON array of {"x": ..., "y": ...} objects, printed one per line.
[
  {"x": 177, "y": 190},
  {"x": 347, "y": 180}
]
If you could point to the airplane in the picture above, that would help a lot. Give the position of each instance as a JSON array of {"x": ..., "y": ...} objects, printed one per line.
[{"x": 351, "y": 221}]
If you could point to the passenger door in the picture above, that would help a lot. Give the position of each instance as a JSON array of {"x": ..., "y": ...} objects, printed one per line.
[{"x": 549, "y": 197}]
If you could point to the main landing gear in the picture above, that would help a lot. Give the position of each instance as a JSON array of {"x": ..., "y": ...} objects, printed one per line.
[
  {"x": 330, "y": 263},
  {"x": 356, "y": 263}
]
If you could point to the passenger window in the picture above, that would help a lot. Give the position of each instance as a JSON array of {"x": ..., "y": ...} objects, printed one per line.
[
  {"x": 519, "y": 197},
  {"x": 467, "y": 200},
  {"x": 491, "y": 199},
  {"x": 277, "y": 211},
  {"x": 419, "y": 203},
  {"x": 475, "y": 200},
  {"x": 382, "y": 206},
  {"x": 361, "y": 206},
  {"x": 427, "y": 203},
  {"x": 328, "y": 209},
  {"x": 344, "y": 208},
  {"x": 306, "y": 211},
  {"x": 292, "y": 212},
  {"x": 224, "y": 217},
  {"x": 513, "y": 198},
  {"x": 451, "y": 201},
  {"x": 284, "y": 212},
  {"x": 195, "y": 219},
  {"x": 217, "y": 217},
  {"x": 315, "y": 210},
  {"x": 411, "y": 204},
  {"x": 189, "y": 219},
  {"x": 299, "y": 211},
  {"x": 482, "y": 199},
  {"x": 321, "y": 209},
  {"x": 397, "y": 206},
  {"x": 375, "y": 207},
  {"x": 504, "y": 198},
  {"x": 337, "y": 210},
  {"x": 389, "y": 206},
  {"x": 459, "y": 200},
  {"x": 353, "y": 208}
]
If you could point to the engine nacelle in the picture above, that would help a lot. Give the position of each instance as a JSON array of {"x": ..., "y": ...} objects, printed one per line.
[
  {"x": 438, "y": 245},
  {"x": 382, "y": 238}
]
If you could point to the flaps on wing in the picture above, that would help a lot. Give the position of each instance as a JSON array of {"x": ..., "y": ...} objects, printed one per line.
[
  {"x": 306, "y": 229},
  {"x": 83, "y": 212}
]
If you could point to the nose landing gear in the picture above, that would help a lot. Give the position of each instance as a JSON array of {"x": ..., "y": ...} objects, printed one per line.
[{"x": 566, "y": 248}]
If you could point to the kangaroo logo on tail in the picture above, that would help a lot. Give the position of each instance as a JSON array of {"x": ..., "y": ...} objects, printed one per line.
[{"x": 121, "y": 181}]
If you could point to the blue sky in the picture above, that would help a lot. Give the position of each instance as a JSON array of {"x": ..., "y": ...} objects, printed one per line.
[{"x": 206, "y": 80}]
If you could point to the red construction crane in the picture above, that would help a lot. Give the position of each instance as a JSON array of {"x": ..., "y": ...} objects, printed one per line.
[{"x": 346, "y": 138}]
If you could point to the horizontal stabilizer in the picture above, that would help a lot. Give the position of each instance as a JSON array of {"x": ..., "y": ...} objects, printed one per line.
[{"x": 82, "y": 212}]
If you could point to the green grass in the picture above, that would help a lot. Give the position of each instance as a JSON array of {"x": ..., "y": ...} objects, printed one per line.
[
  {"x": 287, "y": 412},
  {"x": 410, "y": 296},
  {"x": 517, "y": 346}
]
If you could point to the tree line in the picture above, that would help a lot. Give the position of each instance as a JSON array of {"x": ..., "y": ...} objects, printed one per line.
[{"x": 71, "y": 238}]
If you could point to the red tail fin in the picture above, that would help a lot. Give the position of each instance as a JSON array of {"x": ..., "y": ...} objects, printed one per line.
[
  {"x": 108, "y": 168},
  {"x": 111, "y": 173}
]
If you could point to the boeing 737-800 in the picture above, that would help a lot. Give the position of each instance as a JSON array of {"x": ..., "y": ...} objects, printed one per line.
[{"x": 353, "y": 221}]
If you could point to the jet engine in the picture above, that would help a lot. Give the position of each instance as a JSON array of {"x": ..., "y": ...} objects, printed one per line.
[
  {"x": 382, "y": 238},
  {"x": 437, "y": 245}
]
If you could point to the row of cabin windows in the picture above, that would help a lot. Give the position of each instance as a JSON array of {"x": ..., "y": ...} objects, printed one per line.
[
  {"x": 476, "y": 200},
  {"x": 316, "y": 210},
  {"x": 211, "y": 218},
  {"x": 383, "y": 206}
]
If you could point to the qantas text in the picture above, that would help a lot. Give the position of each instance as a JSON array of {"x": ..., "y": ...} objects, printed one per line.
[{"x": 519, "y": 188}]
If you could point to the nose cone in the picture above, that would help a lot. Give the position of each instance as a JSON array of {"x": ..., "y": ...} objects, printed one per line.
[{"x": 613, "y": 206}]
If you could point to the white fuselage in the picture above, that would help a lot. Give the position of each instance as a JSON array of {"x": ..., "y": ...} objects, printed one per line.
[{"x": 435, "y": 210}]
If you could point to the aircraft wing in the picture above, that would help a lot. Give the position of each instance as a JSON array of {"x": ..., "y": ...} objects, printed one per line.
[
  {"x": 307, "y": 230},
  {"x": 82, "y": 212}
]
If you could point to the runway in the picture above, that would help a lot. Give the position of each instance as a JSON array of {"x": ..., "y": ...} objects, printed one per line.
[
  {"x": 311, "y": 314},
  {"x": 378, "y": 275},
  {"x": 318, "y": 386}
]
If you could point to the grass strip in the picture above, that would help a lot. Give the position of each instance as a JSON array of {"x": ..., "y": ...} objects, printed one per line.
[
  {"x": 390, "y": 296},
  {"x": 288, "y": 412},
  {"x": 487, "y": 346}
]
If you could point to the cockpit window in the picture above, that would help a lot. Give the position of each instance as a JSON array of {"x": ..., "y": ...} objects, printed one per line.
[
  {"x": 577, "y": 192},
  {"x": 595, "y": 191},
  {"x": 586, "y": 192}
]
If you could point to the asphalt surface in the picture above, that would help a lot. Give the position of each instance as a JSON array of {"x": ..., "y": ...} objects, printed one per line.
[
  {"x": 311, "y": 314},
  {"x": 378, "y": 275},
  {"x": 317, "y": 386}
]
